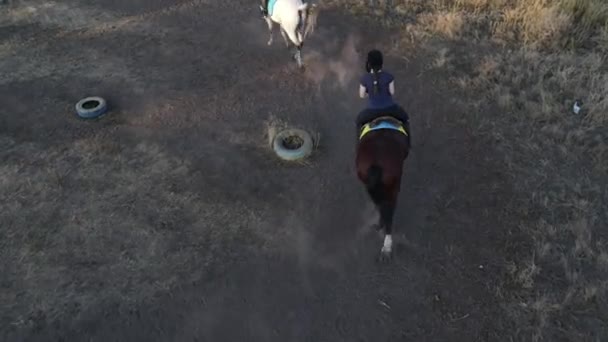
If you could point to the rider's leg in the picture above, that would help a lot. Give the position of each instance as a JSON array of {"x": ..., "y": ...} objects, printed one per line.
[
  {"x": 364, "y": 117},
  {"x": 367, "y": 115},
  {"x": 405, "y": 118},
  {"x": 400, "y": 114},
  {"x": 360, "y": 121}
]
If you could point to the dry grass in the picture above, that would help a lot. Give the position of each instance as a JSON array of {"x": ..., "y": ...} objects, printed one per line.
[
  {"x": 522, "y": 64},
  {"x": 541, "y": 23},
  {"x": 447, "y": 24},
  {"x": 85, "y": 234}
]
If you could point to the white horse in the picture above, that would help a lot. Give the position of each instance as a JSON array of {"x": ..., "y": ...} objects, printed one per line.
[{"x": 296, "y": 20}]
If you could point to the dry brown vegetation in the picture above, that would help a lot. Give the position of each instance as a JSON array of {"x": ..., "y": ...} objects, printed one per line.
[{"x": 521, "y": 64}]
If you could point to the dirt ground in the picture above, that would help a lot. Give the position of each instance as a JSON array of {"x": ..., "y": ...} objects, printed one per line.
[{"x": 171, "y": 220}]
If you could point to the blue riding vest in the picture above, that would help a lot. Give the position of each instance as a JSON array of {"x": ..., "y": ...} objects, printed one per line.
[{"x": 383, "y": 97}]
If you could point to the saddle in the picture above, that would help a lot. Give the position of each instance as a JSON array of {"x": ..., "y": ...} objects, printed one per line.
[
  {"x": 386, "y": 118},
  {"x": 383, "y": 122}
]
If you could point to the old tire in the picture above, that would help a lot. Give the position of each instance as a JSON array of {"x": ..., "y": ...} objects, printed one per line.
[
  {"x": 91, "y": 107},
  {"x": 291, "y": 154}
]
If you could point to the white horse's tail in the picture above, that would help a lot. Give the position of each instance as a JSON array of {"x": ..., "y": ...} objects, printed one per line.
[{"x": 310, "y": 18}]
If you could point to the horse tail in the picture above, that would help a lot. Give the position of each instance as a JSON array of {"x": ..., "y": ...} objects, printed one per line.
[
  {"x": 374, "y": 183},
  {"x": 377, "y": 191},
  {"x": 310, "y": 18}
]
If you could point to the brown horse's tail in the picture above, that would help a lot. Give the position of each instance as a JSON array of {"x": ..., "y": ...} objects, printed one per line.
[
  {"x": 374, "y": 183},
  {"x": 377, "y": 191}
]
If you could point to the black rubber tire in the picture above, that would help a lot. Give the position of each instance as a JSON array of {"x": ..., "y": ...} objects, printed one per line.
[
  {"x": 94, "y": 112},
  {"x": 286, "y": 154}
]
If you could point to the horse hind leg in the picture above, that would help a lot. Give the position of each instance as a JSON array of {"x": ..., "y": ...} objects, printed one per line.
[
  {"x": 387, "y": 211},
  {"x": 299, "y": 55},
  {"x": 299, "y": 48},
  {"x": 294, "y": 37},
  {"x": 270, "y": 27},
  {"x": 382, "y": 199},
  {"x": 285, "y": 39}
]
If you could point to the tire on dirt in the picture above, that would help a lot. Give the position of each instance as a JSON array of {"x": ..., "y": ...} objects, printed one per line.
[
  {"x": 292, "y": 154},
  {"x": 91, "y": 113}
]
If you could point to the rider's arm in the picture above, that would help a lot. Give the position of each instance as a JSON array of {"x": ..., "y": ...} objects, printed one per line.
[
  {"x": 391, "y": 83},
  {"x": 362, "y": 91},
  {"x": 363, "y": 86}
]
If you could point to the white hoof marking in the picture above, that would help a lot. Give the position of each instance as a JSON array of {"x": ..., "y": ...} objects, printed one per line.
[{"x": 387, "y": 248}]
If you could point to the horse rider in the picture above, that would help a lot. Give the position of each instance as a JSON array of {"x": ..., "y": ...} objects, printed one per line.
[{"x": 379, "y": 87}]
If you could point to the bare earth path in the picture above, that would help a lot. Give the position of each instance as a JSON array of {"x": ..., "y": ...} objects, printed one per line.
[{"x": 170, "y": 219}]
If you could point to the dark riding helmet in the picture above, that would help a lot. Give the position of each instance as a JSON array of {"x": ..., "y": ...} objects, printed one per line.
[{"x": 374, "y": 60}]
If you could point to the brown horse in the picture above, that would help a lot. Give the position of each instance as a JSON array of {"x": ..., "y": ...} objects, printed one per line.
[{"x": 382, "y": 149}]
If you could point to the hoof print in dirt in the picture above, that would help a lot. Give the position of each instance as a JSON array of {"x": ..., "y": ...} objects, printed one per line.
[
  {"x": 91, "y": 107},
  {"x": 292, "y": 144},
  {"x": 385, "y": 257}
]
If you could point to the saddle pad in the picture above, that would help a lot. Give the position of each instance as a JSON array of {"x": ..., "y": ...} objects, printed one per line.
[
  {"x": 381, "y": 125},
  {"x": 271, "y": 4}
]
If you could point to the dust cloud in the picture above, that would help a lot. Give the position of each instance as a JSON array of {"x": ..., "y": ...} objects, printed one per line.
[{"x": 335, "y": 71}]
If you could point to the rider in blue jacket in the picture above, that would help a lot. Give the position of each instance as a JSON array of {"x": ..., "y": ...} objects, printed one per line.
[{"x": 379, "y": 87}]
